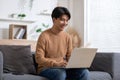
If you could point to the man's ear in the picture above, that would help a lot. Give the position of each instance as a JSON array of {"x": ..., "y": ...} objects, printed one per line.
[{"x": 54, "y": 19}]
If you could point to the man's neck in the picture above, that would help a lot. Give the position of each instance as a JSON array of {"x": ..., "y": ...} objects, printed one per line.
[{"x": 55, "y": 30}]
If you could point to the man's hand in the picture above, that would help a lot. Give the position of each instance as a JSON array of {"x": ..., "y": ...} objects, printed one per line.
[{"x": 60, "y": 64}]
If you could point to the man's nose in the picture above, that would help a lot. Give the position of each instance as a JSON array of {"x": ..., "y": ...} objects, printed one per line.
[{"x": 66, "y": 23}]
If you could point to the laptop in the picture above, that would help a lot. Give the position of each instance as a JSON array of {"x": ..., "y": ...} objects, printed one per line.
[{"x": 81, "y": 58}]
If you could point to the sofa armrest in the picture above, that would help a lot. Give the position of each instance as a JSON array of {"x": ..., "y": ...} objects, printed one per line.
[
  {"x": 103, "y": 62},
  {"x": 116, "y": 66},
  {"x": 1, "y": 65}
]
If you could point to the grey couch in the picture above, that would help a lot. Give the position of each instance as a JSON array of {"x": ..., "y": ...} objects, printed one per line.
[{"x": 104, "y": 67}]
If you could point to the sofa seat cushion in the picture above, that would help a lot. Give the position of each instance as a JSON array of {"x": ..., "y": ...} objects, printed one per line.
[
  {"x": 17, "y": 59},
  {"x": 98, "y": 75},
  {"x": 9, "y": 76}
]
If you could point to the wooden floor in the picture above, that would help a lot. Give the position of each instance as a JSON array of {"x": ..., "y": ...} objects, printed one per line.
[{"x": 19, "y": 42}]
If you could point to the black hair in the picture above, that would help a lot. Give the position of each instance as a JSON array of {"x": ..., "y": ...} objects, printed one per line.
[{"x": 59, "y": 11}]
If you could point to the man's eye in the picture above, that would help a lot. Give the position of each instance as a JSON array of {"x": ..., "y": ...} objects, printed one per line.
[{"x": 62, "y": 19}]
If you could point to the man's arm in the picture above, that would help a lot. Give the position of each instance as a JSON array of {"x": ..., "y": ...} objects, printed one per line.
[
  {"x": 69, "y": 49},
  {"x": 40, "y": 53}
]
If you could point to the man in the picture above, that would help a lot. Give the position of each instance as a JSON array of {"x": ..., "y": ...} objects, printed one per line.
[{"x": 54, "y": 48}]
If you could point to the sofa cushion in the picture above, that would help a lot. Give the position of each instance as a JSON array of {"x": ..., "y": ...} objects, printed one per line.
[
  {"x": 22, "y": 77},
  {"x": 99, "y": 75},
  {"x": 17, "y": 59},
  {"x": 103, "y": 62},
  {"x": 1, "y": 65}
]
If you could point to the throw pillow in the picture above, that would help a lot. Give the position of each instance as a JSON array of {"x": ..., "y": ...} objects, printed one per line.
[{"x": 17, "y": 59}]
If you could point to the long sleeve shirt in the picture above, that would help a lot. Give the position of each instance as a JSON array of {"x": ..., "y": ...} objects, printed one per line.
[{"x": 52, "y": 48}]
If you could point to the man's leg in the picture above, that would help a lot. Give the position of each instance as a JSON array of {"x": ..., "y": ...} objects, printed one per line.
[
  {"x": 77, "y": 74},
  {"x": 54, "y": 74}
]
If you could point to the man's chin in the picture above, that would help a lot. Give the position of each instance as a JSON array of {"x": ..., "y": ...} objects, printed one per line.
[{"x": 62, "y": 29}]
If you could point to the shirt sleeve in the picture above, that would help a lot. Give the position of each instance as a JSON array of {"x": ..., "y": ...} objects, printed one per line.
[
  {"x": 40, "y": 53},
  {"x": 69, "y": 48}
]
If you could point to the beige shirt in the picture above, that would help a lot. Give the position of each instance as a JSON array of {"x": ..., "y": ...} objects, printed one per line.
[{"x": 52, "y": 48}]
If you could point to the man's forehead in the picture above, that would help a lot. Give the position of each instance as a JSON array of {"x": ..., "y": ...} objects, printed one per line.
[{"x": 64, "y": 17}]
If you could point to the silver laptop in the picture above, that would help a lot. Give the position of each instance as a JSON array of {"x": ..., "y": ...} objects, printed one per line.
[{"x": 81, "y": 58}]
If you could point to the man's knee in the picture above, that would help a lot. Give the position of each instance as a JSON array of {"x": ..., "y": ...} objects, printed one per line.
[
  {"x": 83, "y": 74},
  {"x": 60, "y": 74}
]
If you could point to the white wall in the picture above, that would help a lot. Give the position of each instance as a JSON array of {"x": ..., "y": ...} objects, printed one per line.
[
  {"x": 33, "y": 19},
  {"x": 7, "y": 7},
  {"x": 104, "y": 25},
  {"x": 77, "y": 9}
]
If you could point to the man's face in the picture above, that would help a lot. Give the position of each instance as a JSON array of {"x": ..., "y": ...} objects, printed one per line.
[{"x": 61, "y": 23}]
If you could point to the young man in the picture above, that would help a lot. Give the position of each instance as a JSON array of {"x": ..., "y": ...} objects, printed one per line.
[{"x": 54, "y": 48}]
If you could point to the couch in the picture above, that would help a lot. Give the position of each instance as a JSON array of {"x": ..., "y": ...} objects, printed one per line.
[{"x": 104, "y": 66}]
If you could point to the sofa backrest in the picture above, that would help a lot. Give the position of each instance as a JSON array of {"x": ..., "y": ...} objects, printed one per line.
[{"x": 1, "y": 65}]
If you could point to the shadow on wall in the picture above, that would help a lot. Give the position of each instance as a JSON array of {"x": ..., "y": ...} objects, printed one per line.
[
  {"x": 4, "y": 33},
  {"x": 76, "y": 39}
]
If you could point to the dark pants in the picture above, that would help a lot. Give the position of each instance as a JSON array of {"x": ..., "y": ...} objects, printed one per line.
[{"x": 63, "y": 74}]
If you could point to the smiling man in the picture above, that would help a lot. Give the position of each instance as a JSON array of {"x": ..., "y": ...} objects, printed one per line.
[{"x": 54, "y": 48}]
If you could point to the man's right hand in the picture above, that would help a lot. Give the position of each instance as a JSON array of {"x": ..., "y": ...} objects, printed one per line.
[{"x": 60, "y": 64}]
